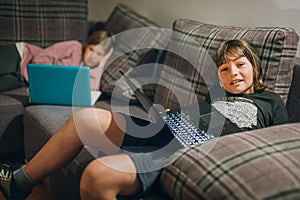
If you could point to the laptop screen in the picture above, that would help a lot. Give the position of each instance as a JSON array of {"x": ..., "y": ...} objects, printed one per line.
[{"x": 59, "y": 85}]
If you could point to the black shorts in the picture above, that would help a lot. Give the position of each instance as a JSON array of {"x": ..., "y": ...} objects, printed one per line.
[{"x": 147, "y": 153}]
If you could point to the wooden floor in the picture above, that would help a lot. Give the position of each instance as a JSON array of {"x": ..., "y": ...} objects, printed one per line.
[{"x": 40, "y": 192}]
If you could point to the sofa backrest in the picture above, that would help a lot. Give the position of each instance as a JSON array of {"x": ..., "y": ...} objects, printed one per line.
[
  {"x": 42, "y": 22},
  {"x": 122, "y": 19},
  {"x": 276, "y": 47}
]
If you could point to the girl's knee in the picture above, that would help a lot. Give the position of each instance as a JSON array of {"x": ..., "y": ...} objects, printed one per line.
[
  {"x": 86, "y": 114},
  {"x": 90, "y": 121},
  {"x": 95, "y": 176},
  {"x": 97, "y": 116}
]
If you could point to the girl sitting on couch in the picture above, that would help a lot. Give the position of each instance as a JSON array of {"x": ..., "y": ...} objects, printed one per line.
[{"x": 131, "y": 173}]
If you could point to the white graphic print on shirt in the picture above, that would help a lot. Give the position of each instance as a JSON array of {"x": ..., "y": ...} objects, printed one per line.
[{"x": 239, "y": 110}]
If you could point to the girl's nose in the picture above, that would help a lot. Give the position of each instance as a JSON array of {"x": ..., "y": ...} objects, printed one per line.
[
  {"x": 234, "y": 71},
  {"x": 92, "y": 54}
]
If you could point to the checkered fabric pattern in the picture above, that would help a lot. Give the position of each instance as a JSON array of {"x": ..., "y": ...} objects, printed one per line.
[
  {"x": 275, "y": 46},
  {"x": 42, "y": 22},
  {"x": 261, "y": 164},
  {"x": 124, "y": 18}
]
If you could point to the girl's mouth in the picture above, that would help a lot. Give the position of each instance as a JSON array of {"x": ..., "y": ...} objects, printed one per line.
[{"x": 235, "y": 82}]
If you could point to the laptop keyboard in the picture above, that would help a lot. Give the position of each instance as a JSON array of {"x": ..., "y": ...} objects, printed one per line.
[{"x": 184, "y": 130}]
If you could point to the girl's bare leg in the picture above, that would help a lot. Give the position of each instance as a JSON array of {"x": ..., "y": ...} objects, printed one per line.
[
  {"x": 108, "y": 177},
  {"x": 67, "y": 143}
]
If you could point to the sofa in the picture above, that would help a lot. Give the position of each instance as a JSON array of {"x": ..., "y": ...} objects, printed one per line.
[
  {"x": 33, "y": 22},
  {"x": 259, "y": 164}
]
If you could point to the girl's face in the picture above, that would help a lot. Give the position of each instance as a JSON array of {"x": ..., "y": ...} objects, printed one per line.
[
  {"x": 93, "y": 54},
  {"x": 236, "y": 75}
]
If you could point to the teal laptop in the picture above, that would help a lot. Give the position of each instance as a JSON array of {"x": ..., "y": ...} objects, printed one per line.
[{"x": 60, "y": 85}]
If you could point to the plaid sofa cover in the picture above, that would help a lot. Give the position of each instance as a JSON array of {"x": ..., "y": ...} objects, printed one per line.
[
  {"x": 38, "y": 22},
  {"x": 276, "y": 47},
  {"x": 126, "y": 54},
  {"x": 261, "y": 164},
  {"x": 42, "y": 22}
]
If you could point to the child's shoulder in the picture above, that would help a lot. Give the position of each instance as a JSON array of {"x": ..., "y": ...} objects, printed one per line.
[{"x": 268, "y": 94}]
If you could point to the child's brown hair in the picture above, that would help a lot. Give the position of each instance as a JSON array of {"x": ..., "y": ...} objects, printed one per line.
[{"x": 102, "y": 37}]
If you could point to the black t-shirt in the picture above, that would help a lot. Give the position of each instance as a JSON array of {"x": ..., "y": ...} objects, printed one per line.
[
  {"x": 253, "y": 111},
  {"x": 272, "y": 110}
]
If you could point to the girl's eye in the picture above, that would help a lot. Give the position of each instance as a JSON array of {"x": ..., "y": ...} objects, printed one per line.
[
  {"x": 224, "y": 70},
  {"x": 240, "y": 63}
]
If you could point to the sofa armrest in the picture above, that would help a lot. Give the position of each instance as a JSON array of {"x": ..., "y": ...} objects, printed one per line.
[
  {"x": 294, "y": 95},
  {"x": 259, "y": 164}
]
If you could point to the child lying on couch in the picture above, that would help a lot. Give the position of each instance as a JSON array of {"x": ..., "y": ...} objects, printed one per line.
[
  {"x": 71, "y": 53},
  {"x": 98, "y": 49}
]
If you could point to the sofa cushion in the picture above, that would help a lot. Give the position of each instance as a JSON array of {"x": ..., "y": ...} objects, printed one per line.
[
  {"x": 21, "y": 94},
  {"x": 37, "y": 21},
  {"x": 10, "y": 77},
  {"x": 125, "y": 56},
  {"x": 275, "y": 46},
  {"x": 262, "y": 164},
  {"x": 11, "y": 126},
  {"x": 124, "y": 18}
]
